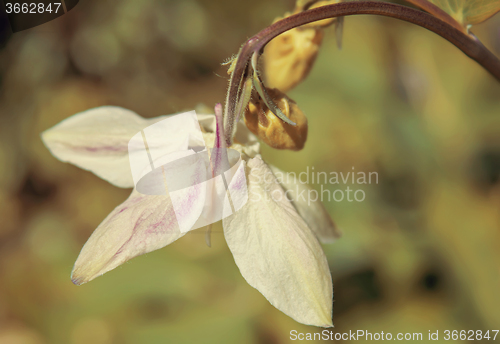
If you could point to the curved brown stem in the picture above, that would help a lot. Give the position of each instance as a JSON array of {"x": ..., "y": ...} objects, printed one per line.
[{"x": 469, "y": 44}]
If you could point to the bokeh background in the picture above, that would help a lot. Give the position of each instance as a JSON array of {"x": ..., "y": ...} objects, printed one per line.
[{"x": 421, "y": 253}]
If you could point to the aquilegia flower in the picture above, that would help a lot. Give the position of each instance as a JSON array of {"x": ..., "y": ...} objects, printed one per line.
[{"x": 274, "y": 238}]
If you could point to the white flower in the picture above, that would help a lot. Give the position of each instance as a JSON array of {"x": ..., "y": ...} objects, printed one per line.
[{"x": 274, "y": 241}]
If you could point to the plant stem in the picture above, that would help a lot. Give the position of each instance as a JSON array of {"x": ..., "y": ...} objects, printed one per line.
[{"x": 469, "y": 44}]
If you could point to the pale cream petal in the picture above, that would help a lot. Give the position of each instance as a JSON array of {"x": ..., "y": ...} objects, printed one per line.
[
  {"x": 97, "y": 140},
  {"x": 308, "y": 206},
  {"x": 277, "y": 253},
  {"x": 245, "y": 142},
  {"x": 143, "y": 223},
  {"x": 207, "y": 121}
]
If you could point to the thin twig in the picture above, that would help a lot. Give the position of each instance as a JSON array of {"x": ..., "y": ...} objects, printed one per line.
[{"x": 469, "y": 44}]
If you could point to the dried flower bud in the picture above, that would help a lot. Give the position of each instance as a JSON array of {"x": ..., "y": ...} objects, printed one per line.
[
  {"x": 288, "y": 59},
  {"x": 272, "y": 130}
]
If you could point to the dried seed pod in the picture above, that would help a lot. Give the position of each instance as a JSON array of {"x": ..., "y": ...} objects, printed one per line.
[
  {"x": 272, "y": 130},
  {"x": 288, "y": 59}
]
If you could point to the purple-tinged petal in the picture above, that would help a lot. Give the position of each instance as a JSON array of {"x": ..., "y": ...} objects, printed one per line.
[
  {"x": 97, "y": 140},
  {"x": 141, "y": 224}
]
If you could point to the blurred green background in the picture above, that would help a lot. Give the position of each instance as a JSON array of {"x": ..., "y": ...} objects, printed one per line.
[{"x": 421, "y": 253}]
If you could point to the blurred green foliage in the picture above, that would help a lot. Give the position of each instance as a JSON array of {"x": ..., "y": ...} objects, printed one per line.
[{"x": 421, "y": 253}]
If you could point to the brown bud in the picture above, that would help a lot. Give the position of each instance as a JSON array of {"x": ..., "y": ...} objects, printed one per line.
[
  {"x": 272, "y": 130},
  {"x": 288, "y": 58}
]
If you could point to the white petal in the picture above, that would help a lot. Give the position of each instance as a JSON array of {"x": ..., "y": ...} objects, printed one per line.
[
  {"x": 245, "y": 142},
  {"x": 186, "y": 179},
  {"x": 311, "y": 208},
  {"x": 143, "y": 223},
  {"x": 97, "y": 140},
  {"x": 207, "y": 122},
  {"x": 277, "y": 253},
  {"x": 206, "y": 118}
]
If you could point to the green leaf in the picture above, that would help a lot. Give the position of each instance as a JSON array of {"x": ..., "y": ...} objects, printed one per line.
[
  {"x": 469, "y": 12},
  {"x": 481, "y": 10}
]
